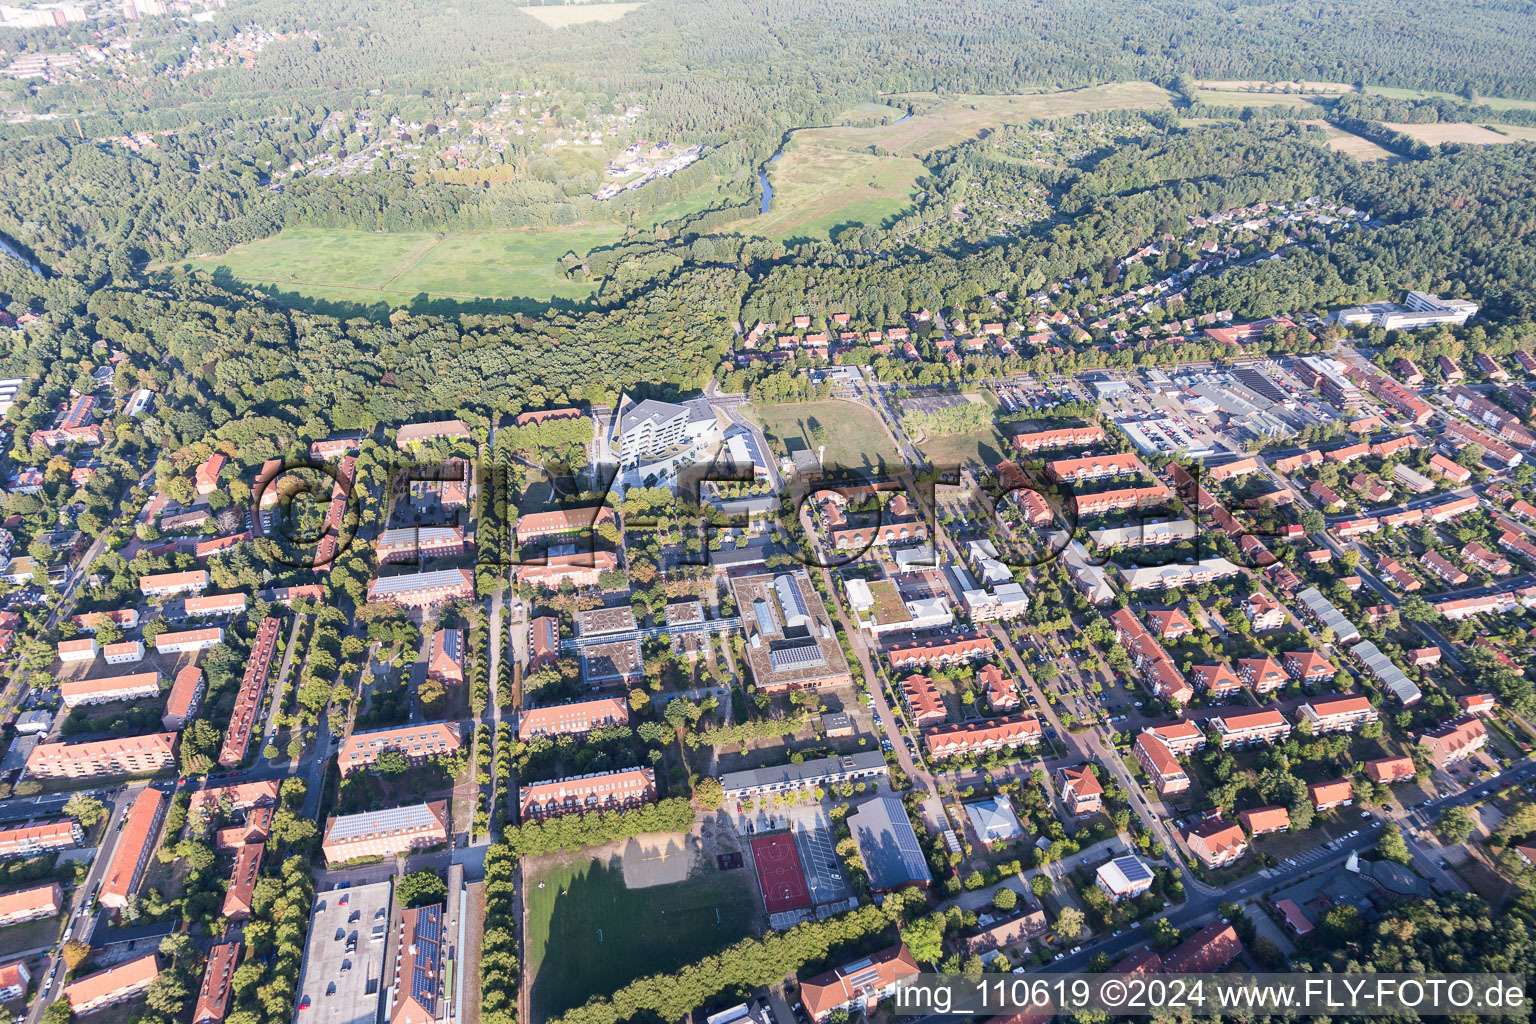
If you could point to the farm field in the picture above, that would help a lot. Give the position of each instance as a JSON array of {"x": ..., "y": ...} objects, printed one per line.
[
  {"x": 855, "y": 439},
  {"x": 566, "y": 15},
  {"x": 1449, "y": 131},
  {"x": 819, "y": 187},
  {"x": 1251, "y": 98},
  {"x": 1311, "y": 88},
  {"x": 1496, "y": 102},
  {"x": 589, "y": 934},
  {"x": 945, "y": 121},
  {"x": 1350, "y": 144},
  {"x": 368, "y": 268}
]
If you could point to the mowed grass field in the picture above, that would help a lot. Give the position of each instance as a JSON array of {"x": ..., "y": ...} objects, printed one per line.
[
  {"x": 855, "y": 438},
  {"x": 366, "y": 267},
  {"x": 589, "y": 935},
  {"x": 819, "y": 188},
  {"x": 566, "y": 15},
  {"x": 1253, "y": 98}
]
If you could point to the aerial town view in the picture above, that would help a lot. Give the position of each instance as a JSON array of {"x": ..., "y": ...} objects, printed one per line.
[{"x": 765, "y": 511}]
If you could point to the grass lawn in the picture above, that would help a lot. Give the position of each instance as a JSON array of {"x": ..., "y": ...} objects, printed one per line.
[
  {"x": 566, "y": 15},
  {"x": 1496, "y": 102},
  {"x": 393, "y": 268},
  {"x": 1350, "y": 144},
  {"x": 986, "y": 447},
  {"x": 588, "y": 934},
  {"x": 18, "y": 938},
  {"x": 855, "y": 439}
]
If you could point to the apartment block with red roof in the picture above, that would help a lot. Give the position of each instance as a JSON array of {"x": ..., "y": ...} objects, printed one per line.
[
  {"x": 1205, "y": 952},
  {"x": 1162, "y": 767},
  {"x": 1246, "y": 728},
  {"x": 576, "y": 718},
  {"x": 564, "y": 522},
  {"x": 1454, "y": 741},
  {"x": 1095, "y": 467},
  {"x": 130, "y": 755},
  {"x": 46, "y": 837},
  {"x": 445, "y": 661},
  {"x": 1216, "y": 680},
  {"x": 923, "y": 701},
  {"x": 418, "y": 968},
  {"x": 1391, "y": 769},
  {"x": 941, "y": 652},
  {"x": 188, "y": 640},
  {"x": 543, "y": 642},
  {"x": 213, "y": 996},
  {"x": 1261, "y": 821},
  {"x": 1065, "y": 437},
  {"x": 166, "y": 584},
  {"x": 242, "y": 882},
  {"x": 580, "y": 569},
  {"x": 1486, "y": 560},
  {"x": 108, "y": 689},
  {"x": 583, "y": 794},
  {"x": 1216, "y": 842},
  {"x": 135, "y": 842},
  {"x": 114, "y": 985},
  {"x": 1337, "y": 714},
  {"x": 859, "y": 985},
  {"x": 423, "y": 589},
  {"x": 418, "y": 743},
  {"x": 1476, "y": 703},
  {"x": 1080, "y": 790},
  {"x": 1181, "y": 737},
  {"x": 1001, "y": 690},
  {"x": 31, "y": 904},
  {"x": 1150, "y": 658},
  {"x": 248, "y": 699},
  {"x": 975, "y": 737},
  {"x": 185, "y": 698},
  {"x": 1170, "y": 624},
  {"x": 1309, "y": 666},
  {"x": 1325, "y": 796},
  {"x": 1264, "y": 674}
]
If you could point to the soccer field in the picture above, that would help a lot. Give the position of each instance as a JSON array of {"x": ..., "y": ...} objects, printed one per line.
[
  {"x": 588, "y": 934},
  {"x": 393, "y": 268}
]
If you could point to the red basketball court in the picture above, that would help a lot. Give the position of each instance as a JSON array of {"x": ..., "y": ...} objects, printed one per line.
[{"x": 779, "y": 873}]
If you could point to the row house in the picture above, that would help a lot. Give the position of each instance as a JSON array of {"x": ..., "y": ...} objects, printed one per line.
[
  {"x": 1401, "y": 578},
  {"x": 1480, "y": 557},
  {"x": 941, "y": 652},
  {"x": 1467, "y": 607},
  {"x": 1463, "y": 434},
  {"x": 978, "y": 737},
  {"x": 598, "y": 792},
  {"x": 1443, "y": 568},
  {"x": 1477, "y": 703}
]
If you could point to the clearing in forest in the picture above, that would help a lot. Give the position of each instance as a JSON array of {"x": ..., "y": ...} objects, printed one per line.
[
  {"x": 566, "y": 15},
  {"x": 1452, "y": 131}
]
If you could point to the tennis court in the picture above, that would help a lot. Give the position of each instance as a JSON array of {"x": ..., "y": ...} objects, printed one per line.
[{"x": 779, "y": 874}]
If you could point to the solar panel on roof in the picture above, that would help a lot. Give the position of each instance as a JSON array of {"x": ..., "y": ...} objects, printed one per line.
[{"x": 1133, "y": 869}]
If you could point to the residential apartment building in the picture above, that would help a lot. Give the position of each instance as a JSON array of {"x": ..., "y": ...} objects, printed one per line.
[
  {"x": 419, "y": 976},
  {"x": 424, "y": 589},
  {"x": 167, "y": 584},
  {"x": 582, "y": 794},
  {"x": 185, "y": 698},
  {"x": 1338, "y": 714},
  {"x": 415, "y": 542},
  {"x": 114, "y": 985},
  {"x": 445, "y": 660},
  {"x": 1216, "y": 842},
  {"x": 1247, "y": 728},
  {"x": 248, "y": 699},
  {"x": 1261, "y": 821},
  {"x": 564, "y": 522},
  {"x": 31, "y": 904},
  {"x": 385, "y": 833},
  {"x": 213, "y": 996},
  {"x": 1162, "y": 767},
  {"x": 139, "y": 686},
  {"x": 826, "y": 772},
  {"x": 1325, "y": 796},
  {"x": 859, "y": 985},
  {"x": 210, "y": 605},
  {"x": 976, "y": 737},
  {"x": 189, "y": 640},
  {"x": 576, "y": 718},
  {"x": 47, "y": 837},
  {"x": 1454, "y": 741},
  {"x": 131, "y": 755},
  {"x": 941, "y": 652},
  {"x": 135, "y": 843},
  {"x": 1080, "y": 790},
  {"x": 1264, "y": 674},
  {"x": 418, "y": 743},
  {"x": 413, "y": 436}
]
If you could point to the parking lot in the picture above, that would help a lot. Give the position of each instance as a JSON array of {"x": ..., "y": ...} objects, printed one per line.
[
  {"x": 342, "y": 978},
  {"x": 818, "y": 859}
]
